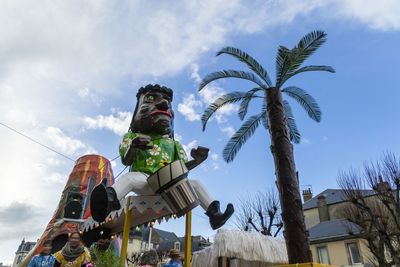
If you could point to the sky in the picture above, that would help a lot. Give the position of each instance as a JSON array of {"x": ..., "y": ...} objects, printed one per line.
[{"x": 70, "y": 70}]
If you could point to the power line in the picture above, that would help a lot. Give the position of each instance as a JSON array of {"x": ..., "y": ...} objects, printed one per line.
[
  {"x": 120, "y": 172},
  {"x": 37, "y": 142}
]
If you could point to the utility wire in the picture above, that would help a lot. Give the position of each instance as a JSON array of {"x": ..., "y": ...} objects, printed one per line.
[
  {"x": 120, "y": 172},
  {"x": 37, "y": 142},
  {"x": 33, "y": 140}
]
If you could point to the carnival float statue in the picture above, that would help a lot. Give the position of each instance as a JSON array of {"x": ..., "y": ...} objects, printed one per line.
[{"x": 158, "y": 163}]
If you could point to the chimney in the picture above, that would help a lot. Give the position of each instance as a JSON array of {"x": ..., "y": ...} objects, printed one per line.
[
  {"x": 307, "y": 194},
  {"x": 323, "y": 211}
]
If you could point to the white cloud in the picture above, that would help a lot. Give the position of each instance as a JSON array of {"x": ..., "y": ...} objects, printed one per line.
[
  {"x": 195, "y": 76},
  {"x": 215, "y": 164},
  {"x": 65, "y": 144},
  {"x": 190, "y": 108},
  {"x": 378, "y": 15},
  {"x": 228, "y": 130},
  {"x": 51, "y": 75},
  {"x": 82, "y": 93},
  {"x": 117, "y": 123}
]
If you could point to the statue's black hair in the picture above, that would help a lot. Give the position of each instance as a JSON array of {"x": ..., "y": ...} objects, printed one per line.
[
  {"x": 145, "y": 89},
  {"x": 155, "y": 88}
]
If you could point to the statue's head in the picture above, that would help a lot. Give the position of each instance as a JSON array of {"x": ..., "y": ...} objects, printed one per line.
[{"x": 153, "y": 112}]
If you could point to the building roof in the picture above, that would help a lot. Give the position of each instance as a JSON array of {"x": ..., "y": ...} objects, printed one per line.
[
  {"x": 25, "y": 246},
  {"x": 332, "y": 196},
  {"x": 333, "y": 230},
  {"x": 164, "y": 235},
  {"x": 196, "y": 243}
]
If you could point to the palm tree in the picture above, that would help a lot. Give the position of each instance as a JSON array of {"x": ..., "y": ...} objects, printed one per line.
[{"x": 276, "y": 116}]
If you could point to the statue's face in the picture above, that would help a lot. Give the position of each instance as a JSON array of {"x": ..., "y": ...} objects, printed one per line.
[{"x": 154, "y": 113}]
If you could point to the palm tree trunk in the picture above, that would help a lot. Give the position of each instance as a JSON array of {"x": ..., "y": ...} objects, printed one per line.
[{"x": 295, "y": 233}]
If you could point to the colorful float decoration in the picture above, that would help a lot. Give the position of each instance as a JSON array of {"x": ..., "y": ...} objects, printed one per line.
[
  {"x": 73, "y": 207},
  {"x": 92, "y": 201}
]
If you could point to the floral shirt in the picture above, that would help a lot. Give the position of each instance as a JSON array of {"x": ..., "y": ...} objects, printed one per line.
[
  {"x": 164, "y": 150},
  {"x": 42, "y": 261}
]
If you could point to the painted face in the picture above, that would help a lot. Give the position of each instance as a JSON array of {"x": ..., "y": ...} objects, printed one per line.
[
  {"x": 46, "y": 249},
  {"x": 74, "y": 240},
  {"x": 154, "y": 113}
]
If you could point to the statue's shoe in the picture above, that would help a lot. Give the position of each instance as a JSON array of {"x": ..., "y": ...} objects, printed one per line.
[
  {"x": 103, "y": 200},
  {"x": 217, "y": 218}
]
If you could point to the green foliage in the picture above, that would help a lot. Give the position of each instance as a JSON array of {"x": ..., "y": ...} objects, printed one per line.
[
  {"x": 241, "y": 136},
  {"x": 245, "y": 103},
  {"x": 293, "y": 131},
  {"x": 220, "y": 102},
  {"x": 249, "y": 60},
  {"x": 230, "y": 74},
  {"x": 106, "y": 258},
  {"x": 288, "y": 64},
  {"x": 305, "y": 100},
  {"x": 288, "y": 61}
]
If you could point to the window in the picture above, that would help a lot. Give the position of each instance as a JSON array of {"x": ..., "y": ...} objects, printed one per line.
[
  {"x": 323, "y": 256},
  {"x": 177, "y": 246},
  {"x": 353, "y": 252}
]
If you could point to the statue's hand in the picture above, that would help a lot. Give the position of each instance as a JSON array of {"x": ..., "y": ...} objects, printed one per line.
[
  {"x": 199, "y": 154},
  {"x": 141, "y": 142}
]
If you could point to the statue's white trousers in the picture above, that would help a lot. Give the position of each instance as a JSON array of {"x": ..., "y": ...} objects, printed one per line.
[{"x": 137, "y": 182}]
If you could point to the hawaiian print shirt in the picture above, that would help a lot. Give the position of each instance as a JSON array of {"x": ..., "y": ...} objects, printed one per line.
[
  {"x": 164, "y": 150},
  {"x": 42, "y": 261}
]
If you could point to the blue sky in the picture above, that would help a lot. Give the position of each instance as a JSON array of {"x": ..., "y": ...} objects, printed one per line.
[{"x": 69, "y": 74}]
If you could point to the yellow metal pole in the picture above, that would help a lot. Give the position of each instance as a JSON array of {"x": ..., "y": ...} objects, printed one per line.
[
  {"x": 125, "y": 234},
  {"x": 188, "y": 239}
]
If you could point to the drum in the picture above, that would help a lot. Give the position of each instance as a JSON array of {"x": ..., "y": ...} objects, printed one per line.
[{"x": 172, "y": 184}]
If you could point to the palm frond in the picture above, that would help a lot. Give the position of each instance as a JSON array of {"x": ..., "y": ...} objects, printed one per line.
[
  {"x": 295, "y": 136},
  {"x": 305, "y": 100},
  {"x": 218, "y": 103},
  {"x": 311, "y": 68},
  {"x": 249, "y": 61},
  {"x": 312, "y": 41},
  {"x": 230, "y": 74},
  {"x": 246, "y": 100},
  {"x": 304, "y": 49},
  {"x": 282, "y": 65},
  {"x": 241, "y": 136}
]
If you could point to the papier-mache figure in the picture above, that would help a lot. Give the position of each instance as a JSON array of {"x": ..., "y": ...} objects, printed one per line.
[{"x": 158, "y": 163}]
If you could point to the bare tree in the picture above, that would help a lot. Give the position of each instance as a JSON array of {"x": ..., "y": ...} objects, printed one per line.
[
  {"x": 378, "y": 214},
  {"x": 260, "y": 212}
]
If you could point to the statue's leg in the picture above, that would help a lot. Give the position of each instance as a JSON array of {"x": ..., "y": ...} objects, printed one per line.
[
  {"x": 105, "y": 199},
  {"x": 211, "y": 206},
  {"x": 132, "y": 181},
  {"x": 205, "y": 197}
]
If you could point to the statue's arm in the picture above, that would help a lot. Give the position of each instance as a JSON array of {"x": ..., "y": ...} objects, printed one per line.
[
  {"x": 199, "y": 155},
  {"x": 138, "y": 143}
]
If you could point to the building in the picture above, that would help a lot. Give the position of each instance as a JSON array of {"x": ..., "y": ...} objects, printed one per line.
[
  {"x": 331, "y": 236},
  {"x": 160, "y": 240},
  {"x": 22, "y": 251},
  {"x": 198, "y": 243}
]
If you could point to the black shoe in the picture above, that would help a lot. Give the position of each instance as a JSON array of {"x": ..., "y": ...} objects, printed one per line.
[
  {"x": 103, "y": 200},
  {"x": 218, "y": 219}
]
